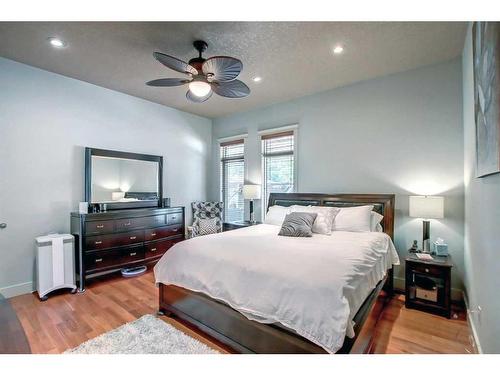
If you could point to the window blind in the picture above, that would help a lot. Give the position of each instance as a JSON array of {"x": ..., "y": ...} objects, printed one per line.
[
  {"x": 232, "y": 179},
  {"x": 278, "y": 164}
]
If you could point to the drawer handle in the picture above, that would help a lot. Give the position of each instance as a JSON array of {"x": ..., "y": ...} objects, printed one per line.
[
  {"x": 98, "y": 242},
  {"x": 133, "y": 237},
  {"x": 127, "y": 224},
  {"x": 132, "y": 254},
  {"x": 426, "y": 270},
  {"x": 153, "y": 234},
  {"x": 98, "y": 260},
  {"x": 100, "y": 226},
  {"x": 153, "y": 249},
  {"x": 175, "y": 230}
]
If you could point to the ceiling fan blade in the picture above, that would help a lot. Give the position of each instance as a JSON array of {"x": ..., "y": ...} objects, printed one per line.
[
  {"x": 174, "y": 63},
  {"x": 168, "y": 82},
  {"x": 223, "y": 68},
  {"x": 231, "y": 89},
  {"x": 198, "y": 99}
]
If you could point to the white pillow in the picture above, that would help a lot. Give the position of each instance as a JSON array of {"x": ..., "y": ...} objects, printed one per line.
[
  {"x": 276, "y": 215},
  {"x": 375, "y": 220},
  {"x": 324, "y": 219},
  {"x": 353, "y": 219}
]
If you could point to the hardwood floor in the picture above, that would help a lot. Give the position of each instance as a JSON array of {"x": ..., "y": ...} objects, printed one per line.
[
  {"x": 406, "y": 331},
  {"x": 65, "y": 320}
]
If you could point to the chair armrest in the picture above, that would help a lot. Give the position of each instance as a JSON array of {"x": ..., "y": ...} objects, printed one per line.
[{"x": 192, "y": 231}]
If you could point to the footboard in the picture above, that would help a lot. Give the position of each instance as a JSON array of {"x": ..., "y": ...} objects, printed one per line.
[{"x": 230, "y": 329}]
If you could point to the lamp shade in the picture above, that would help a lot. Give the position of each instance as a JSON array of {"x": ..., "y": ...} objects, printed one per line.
[
  {"x": 251, "y": 191},
  {"x": 426, "y": 206}
]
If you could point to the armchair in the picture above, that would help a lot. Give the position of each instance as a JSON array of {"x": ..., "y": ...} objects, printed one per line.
[{"x": 205, "y": 210}]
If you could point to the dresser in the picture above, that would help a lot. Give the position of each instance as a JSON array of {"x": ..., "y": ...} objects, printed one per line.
[{"x": 108, "y": 241}]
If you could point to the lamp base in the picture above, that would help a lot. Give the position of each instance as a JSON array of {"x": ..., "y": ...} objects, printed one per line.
[
  {"x": 426, "y": 242},
  {"x": 252, "y": 215}
]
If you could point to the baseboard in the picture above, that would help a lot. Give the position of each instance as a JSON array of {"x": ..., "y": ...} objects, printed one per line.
[
  {"x": 17, "y": 290},
  {"x": 472, "y": 325},
  {"x": 457, "y": 295}
]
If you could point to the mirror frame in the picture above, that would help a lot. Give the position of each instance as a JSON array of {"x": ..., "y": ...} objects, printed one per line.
[{"x": 89, "y": 152}]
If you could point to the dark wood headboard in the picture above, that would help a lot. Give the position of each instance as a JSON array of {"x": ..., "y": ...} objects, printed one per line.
[{"x": 382, "y": 203}]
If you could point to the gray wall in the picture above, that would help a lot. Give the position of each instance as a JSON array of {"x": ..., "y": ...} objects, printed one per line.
[
  {"x": 46, "y": 120},
  {"x": 397, "y": 134},
  {"x": 482, "y": 226}
]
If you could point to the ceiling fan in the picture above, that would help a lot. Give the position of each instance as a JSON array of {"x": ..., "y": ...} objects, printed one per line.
[{"x": 204, "y": 76}]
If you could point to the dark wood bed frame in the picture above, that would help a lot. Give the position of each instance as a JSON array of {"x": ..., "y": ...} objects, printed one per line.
[{"x": 233, "y": 331}]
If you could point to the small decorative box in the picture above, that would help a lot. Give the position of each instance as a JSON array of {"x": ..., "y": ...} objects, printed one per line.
[{"x": 441, "y": 249}]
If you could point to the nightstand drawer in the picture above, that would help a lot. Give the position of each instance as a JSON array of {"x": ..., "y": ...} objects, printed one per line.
[
  {"x": 429, "y": 295},
  {"x": 427, "y": 269}
]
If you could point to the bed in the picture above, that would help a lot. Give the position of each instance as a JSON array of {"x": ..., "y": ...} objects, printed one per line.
[{"x": 255, "y": 292}]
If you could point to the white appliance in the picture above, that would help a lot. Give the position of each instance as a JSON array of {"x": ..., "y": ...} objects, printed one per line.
[{"x": 55, "y": 259}]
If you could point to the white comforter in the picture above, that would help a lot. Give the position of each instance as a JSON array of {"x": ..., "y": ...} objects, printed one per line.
[{"x": 313, "y": 286}]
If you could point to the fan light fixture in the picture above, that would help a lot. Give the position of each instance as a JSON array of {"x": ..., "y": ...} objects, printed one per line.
[
  {"x": 204, "y": 77},
  {"x": 199, "y": 88}
]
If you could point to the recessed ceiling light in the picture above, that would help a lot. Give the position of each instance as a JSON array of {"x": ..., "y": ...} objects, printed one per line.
[
  {"x": 257, "y": 79},
  {"x": 56, "y": 42},
  {"x": 338, "y": 50}
]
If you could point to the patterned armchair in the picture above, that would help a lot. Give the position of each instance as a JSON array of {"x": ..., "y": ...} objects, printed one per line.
[{"x": 206, "y": 210}]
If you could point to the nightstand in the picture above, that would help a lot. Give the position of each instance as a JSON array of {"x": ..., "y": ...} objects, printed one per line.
[
  {"x": 428, "y": 284},
  {"x": 238, "y": 224}
]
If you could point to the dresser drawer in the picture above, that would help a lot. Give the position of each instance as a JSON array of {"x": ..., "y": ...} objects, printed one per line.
[
  {"x": 174, "y": 218},
  {"x": 140, "y": 222},
  {"x": 97, "y": 227},
  {"x": 102, "y": 259},
  {"x": 131, "y": 255},
  {"x": 157, "y": 248},
  {"x": 162, "y": 232},
  {"x": 114, "y": 240},
  {"x": 129, "y": 238},
  {"x": 100, "y": 242}
]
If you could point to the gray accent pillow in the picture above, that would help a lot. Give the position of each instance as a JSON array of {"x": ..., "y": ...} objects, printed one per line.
[{"x": 298, "y": 224}]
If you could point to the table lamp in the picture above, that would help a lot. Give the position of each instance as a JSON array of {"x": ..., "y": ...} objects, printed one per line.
[
  {"x": 251, "y": 192},
  {"x": 426, "y": 207}
]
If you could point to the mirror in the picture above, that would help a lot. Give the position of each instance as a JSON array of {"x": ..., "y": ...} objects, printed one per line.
[{"x": 121, "y": 179}]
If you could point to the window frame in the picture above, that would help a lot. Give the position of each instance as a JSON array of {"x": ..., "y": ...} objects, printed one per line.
[
  {"x": 222, "y": 162},
  {"x": 275, "y": 133}
]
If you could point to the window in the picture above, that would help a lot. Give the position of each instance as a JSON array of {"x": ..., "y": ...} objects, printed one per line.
[
  {"x": 278, "y": 164},
  {"x": 232, "y": 178}
]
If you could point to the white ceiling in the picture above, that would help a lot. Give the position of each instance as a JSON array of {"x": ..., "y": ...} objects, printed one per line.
[{"x": 293, "y": 58}]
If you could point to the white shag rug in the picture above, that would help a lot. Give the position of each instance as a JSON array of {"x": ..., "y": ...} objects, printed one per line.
[{"x": 146, "y": 335}]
